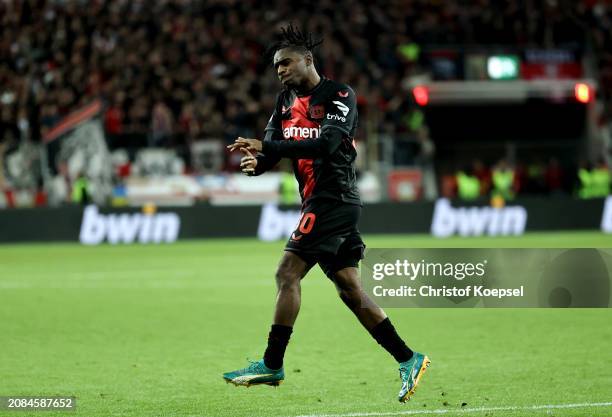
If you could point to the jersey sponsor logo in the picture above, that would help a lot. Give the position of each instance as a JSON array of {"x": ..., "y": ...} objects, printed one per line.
[
  {"x": 342, "y": 107},
  {"x": 477, "y": 221},
  {"x": 336, "y": 117},
  {"x": 316, "y": 112},
  {"x": 128, "y": 228},
  {"x": 343, "y": 94},
  {"x": 301, "y": 132}
]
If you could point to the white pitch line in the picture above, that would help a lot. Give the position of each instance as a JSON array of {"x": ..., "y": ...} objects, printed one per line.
[{"x": 465, "y": 410}]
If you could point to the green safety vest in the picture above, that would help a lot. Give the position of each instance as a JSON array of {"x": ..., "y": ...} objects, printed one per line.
[
  {"x": 502, "y": 184},
  {"x": 586, "y": 183},
  {"x": 468, "y": 186},
  {"x": 594, "y": 183},
  {"x": 600, "y": 182},
  {"x": 289, "y": 193},
  {"x": 79, "y": 190}
]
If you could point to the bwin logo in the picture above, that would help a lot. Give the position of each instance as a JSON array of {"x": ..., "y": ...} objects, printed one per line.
[
  {"x": 342, "y": 107},
  {"x": 275, "y": 224},
  {"x": 128, "y": 228},
  {"x": 477, "y": 221}
]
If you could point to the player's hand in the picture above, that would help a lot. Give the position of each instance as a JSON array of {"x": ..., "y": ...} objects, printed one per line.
[
  {"x": 248, "y": 162},
  {"x": 252, "y": 145}
]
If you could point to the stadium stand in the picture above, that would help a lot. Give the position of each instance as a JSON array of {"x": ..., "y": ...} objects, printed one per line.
[{"x": 174, "y": 74}]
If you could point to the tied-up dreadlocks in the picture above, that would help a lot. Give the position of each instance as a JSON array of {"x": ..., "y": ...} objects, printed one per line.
[{"x": 292, "y": 37}]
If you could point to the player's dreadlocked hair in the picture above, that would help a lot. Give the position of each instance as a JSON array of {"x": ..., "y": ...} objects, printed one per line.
[{"x": 292, "y": 37}]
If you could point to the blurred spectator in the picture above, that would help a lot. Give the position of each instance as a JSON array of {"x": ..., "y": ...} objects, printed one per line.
[
  {"x": 288, "y": 188},
  {"x": 483, "y": 173},
  {"x": 49, "y": 116},
  {"x": 113, "y": 121},
  {"x": 80, "y": 190},
  {"x": 601, "y": 179},
  {"x": 503, "y": 181},
  {"x": 425, "y": 159},
  {"x": 536, "y": 180},
  {"x": 585, "y": 185},
  {"x": 162, "y": 124},
  {"x": 468, "y": 185},
  {"x": 594, "y": 180},
  {"x": 8, "y": 129},
  {"x": 553, "y": 176}
]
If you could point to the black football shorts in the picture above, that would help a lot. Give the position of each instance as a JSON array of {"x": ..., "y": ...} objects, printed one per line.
[{"x": 327, "y": 234}]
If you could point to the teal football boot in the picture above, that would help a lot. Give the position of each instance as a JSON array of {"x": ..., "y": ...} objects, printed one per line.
[
  {"x": 255, "y": 374},
  {"x": 411, "y": 372}
]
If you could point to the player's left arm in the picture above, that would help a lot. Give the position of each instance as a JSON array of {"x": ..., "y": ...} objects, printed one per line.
[{"x": 340, "y": 113}]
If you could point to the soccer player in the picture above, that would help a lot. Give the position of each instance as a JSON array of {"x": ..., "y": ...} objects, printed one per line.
[{"x": 314, "y": 124}]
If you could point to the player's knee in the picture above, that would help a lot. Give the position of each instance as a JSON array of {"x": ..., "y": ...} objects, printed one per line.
[
  {"x": 347, "y": 283},
  {"x": 288, "y": 285},
  {"x": 287, "y": 279},
  {"x": 351, "y": 296}
]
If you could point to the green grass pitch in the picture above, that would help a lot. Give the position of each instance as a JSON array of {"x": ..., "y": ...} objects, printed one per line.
[{"x": 148, "y": 330}]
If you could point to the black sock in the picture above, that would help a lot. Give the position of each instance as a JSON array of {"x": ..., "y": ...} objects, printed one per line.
[
  {"x": 386, "y": 336},
  {"x": 277, "y": 343}
]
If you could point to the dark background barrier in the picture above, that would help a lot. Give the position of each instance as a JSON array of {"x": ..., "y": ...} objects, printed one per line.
[
  {"x": 204, "y": 221},
  {"x": 563, "y": 213}
]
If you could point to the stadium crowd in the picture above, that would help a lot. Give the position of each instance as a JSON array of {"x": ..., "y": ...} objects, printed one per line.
[{"x": 171, "y": 71}]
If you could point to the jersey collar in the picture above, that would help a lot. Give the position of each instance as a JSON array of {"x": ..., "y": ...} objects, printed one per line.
[{"x": 313, "y": 89}]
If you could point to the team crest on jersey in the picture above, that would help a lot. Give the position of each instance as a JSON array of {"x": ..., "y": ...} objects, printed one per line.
[
  {"x": 343, "y": 94},
  {"x": 316, "y": 112}
]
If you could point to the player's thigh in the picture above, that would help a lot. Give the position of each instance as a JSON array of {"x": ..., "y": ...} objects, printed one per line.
[{"x": 343, "y": 267}]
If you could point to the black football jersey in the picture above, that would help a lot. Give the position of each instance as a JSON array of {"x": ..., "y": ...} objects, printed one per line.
[{"x": 316, "y": 130}]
